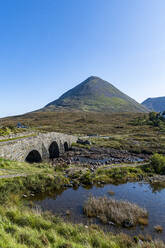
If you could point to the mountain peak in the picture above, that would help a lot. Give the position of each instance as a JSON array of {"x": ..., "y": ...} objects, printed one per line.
[
  {"x": 91, "y": 80},
  {"x": 156, "y": 104},
  {"x": 96, "y": 94},
  {"x": 92, "y": 77}
]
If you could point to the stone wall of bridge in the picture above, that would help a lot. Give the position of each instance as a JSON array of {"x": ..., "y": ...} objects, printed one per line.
[{"x": 43, "y": 145}]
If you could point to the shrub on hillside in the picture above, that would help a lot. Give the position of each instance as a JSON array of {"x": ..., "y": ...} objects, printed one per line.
[{"x": 158, "y": 163}]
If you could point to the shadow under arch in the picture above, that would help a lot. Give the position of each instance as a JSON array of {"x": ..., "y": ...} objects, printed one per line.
[
  {"x": 33, "y": 157},
  {"x": 66, "y": 147},
  {"x": 54, "y": 151}
]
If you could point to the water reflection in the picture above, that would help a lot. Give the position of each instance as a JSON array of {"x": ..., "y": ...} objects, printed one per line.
[{"x": 152, "y": 197}]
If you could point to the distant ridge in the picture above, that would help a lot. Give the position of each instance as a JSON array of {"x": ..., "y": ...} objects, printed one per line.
[
  {"x": 155, "y": 104},
  {"x": 95, "y": 94}
]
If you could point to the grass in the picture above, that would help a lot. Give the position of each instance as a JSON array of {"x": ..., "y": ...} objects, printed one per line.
[
  {"x": 158, "y": 228},
  {"x": 7, "y": 130},
  {"x": 19, "y": 137},
  {"x": 118, "y": 212},
  {"x": 103, "y": 175},
  {"x": 27, "y": 168},
  {"x": 32, "y": 184},
  {"x": 24, "y": 228},
  {"x": 143, "y": 221},
  {"x": 44, "y": 175},
  {"x": 30, "y": 228},
  {"x": 39, "y": 178},
  {"x": 118, "y": 175},
  {"x": 111, "y": 193}
]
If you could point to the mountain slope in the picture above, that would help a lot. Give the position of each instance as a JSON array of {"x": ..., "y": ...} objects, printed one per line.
[
  {"x": 155, "y": 104},
  {"x": 95, "y": 94}
]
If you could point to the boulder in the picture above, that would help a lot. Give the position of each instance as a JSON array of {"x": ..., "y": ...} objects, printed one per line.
[{"x": 83, "y": 142}]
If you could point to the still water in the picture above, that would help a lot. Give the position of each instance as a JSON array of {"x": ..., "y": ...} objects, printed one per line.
[{"x": 140, "y": 193}]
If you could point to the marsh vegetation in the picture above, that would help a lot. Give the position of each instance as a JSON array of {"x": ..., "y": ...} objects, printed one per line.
[{"x": 120, "y": 212}]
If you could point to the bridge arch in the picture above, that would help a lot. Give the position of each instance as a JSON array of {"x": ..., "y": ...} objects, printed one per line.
[
  {"x": 54, "y": 151},
  {"x": 66, "y": 147},
  {"x": 33, "y": 157}
]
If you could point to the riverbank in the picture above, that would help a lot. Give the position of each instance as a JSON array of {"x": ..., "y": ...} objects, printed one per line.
[
  {"x": 22, "y": 227},
  {"x": 26, "y": 227},
  {"x": 28, "y": 178}
]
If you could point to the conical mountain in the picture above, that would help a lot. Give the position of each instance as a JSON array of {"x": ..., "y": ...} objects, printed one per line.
[{"x": 95, "y": 94}]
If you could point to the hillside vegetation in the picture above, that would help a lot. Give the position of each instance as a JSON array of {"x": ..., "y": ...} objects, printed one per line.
[
  {"x": 133, "y": 132},
  {"x": 95, "y": 94}
]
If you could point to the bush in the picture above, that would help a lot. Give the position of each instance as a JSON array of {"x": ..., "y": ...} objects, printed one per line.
[
  {"x": 158, "y": 163},
  {"x": 155, "y": 119},
  {"x": 86, "y": 178}
]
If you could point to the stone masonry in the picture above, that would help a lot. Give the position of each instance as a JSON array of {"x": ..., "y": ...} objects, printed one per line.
[{"x": 19, "y": 149}]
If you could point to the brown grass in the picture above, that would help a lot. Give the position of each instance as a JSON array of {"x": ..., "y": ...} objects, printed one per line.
[
  {"x": 111, "y": 193},
  {"x": 148, "y": 242},
  {"x": 112, "y": 210},
  {"x": 158, "y": 228},
  {"x": 79, "y": 122},
  {"x": 124, "y": 134},
  {"x": 143, "y": 221}
]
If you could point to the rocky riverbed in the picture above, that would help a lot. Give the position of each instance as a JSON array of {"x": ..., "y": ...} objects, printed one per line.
[{"x": 98, "y": 156}]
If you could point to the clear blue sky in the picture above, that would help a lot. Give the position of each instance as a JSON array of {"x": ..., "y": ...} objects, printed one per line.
[{"x": 49, "y": 46}]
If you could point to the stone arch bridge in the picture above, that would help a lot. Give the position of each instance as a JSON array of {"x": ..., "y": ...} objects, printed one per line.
[{"x": 37, "y": 148}]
